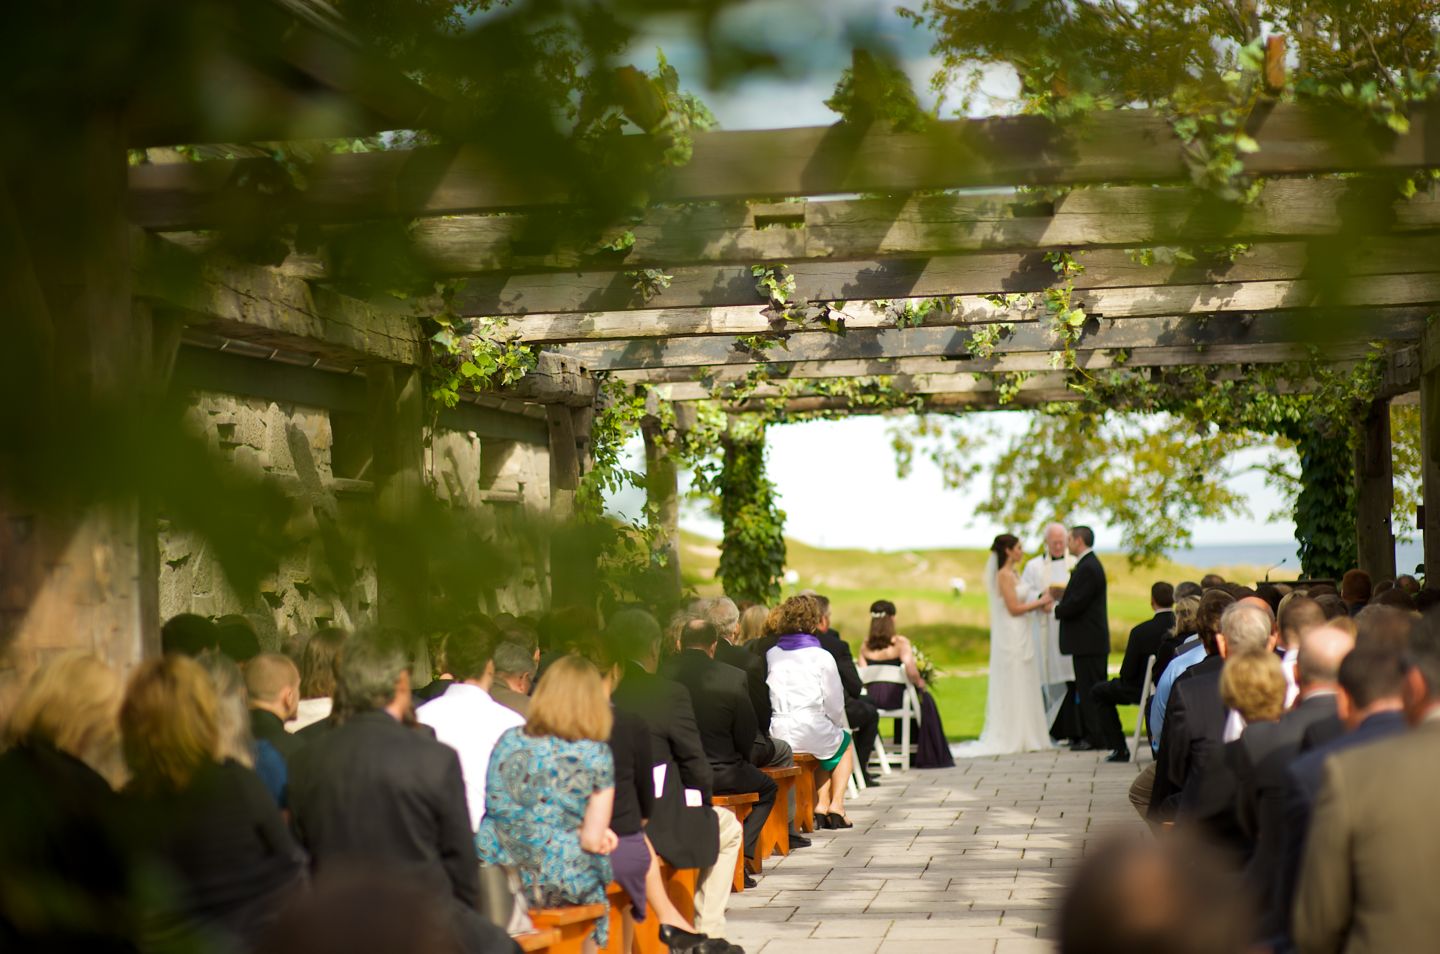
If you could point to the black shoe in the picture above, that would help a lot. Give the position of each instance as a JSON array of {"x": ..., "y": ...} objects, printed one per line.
[
  {"x": 798, "y": 840},
  {"x": 718, "y": 945},
  {"x": 822, "y": 821},
  {"x": 1083, "y": 746},
  {"x": 679, "y": 939},
  {"x": 837, "y": 820},
  {"x": 871, "y": 782},
  {"x": 1119, "y": 755},
  {"x": 750, "y": 882}
]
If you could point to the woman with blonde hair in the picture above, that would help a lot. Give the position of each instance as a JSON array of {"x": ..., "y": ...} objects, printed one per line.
[
  {"x": 212, "y": 839},
  {"x": 550, "y": 792},
  {"x": 809, "y": 703},
  {"x": 60, "y": 837},
  {"x": 752, "y": 625}
]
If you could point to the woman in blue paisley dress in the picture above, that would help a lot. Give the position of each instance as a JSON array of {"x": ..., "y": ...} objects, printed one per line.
[{"x": 550, "y": 791}]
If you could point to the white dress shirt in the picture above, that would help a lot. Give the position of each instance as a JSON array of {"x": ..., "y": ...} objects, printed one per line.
[
  {"x": 465, "y": 718},
  {"x": 311, "y": 711},
  {"x": 808, "y": 699}
]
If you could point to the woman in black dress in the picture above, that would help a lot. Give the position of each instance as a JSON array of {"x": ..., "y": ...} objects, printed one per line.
[{"x": 884, "y": 647}]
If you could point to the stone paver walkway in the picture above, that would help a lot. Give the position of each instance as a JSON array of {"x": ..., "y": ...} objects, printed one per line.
[{"x": 970, "y": 859}]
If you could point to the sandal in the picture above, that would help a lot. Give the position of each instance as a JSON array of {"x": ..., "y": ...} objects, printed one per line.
[{"x": 836, "y": 820}]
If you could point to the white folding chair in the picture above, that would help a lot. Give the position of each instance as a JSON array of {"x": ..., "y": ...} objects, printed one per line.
[
  {"x": 909, "y": 709},
  {"x": 1147, "y": 690}
]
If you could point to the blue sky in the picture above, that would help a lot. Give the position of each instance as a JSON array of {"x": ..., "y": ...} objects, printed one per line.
[{"x": 837, "y": 479}]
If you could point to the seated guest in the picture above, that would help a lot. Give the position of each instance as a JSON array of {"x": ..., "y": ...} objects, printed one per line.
[
  {"x": 1331, "y": 605},
  {"x": 1212, "y": 605},
  {"x": 272, "y": 684},
  {"x": 686, "y": 830},
  {"x": 809, "y": 703},
  {"x": 1396, "y": 599},
  {"x": 885, "y": 647},
  {"x": 727, "y": 723},
  {"x": 1371, "y": 703},
  {"x": 364, "y": 912},
  {"x": 237, "y": 743},
  {"x": 440, "y": 676},
  {"x": 236, "y": 638},
  {"x": 188, "y": 634},
  {"x": 1267, "y": 752},
  {"x": 1211, "y": 581},
  {"x": 514, "y": 675},
  {"x": 66, "y": 875},
  {"x": 1407, "y": 583},
  {"x": 373, "y": 792},
  {"x": 1298, "y": 616},
  {"x": 862, "y": 713},
  {"x": 552, "y": 792},
  {"x": 1125, "y": 690},
  {"x": 1368, "y": 876},
  {"x": 1254, "y": 686},
  {"x": 1198, "y": 719},
  {"x": 752, "y": 626},
  {"x": 317, "y": 677},
  {"x": 1355, "y": 590},
  {"x": 465, "y": 717},
  {"x": 1185, "y": 632},
  {"x": 214, "y": 847},
  {"x": 725, "y": 617}
]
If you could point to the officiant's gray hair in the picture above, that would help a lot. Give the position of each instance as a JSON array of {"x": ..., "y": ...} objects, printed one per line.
[{"x": 1054, "y": 526}]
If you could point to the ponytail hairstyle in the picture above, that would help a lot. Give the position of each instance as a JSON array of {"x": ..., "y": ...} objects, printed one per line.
[
  {"x": 882, "y": 625},
  {"x": 1001, "y": 547}
]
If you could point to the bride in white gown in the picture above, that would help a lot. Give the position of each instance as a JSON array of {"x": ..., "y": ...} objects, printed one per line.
[{"x": 1014, "y": 708}]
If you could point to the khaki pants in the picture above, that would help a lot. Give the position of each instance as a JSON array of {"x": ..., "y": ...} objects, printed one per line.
[
  {"x": 1140, "y": 793},
  {"x": 713, "y": 892}
]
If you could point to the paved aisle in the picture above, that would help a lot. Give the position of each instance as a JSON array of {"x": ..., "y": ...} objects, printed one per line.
[{"x": 970, "y": 859}]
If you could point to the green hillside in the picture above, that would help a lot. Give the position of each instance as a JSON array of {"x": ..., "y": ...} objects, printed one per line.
[{"x": 953, "y": 630}]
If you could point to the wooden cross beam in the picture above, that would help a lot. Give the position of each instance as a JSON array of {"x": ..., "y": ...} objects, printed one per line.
[
  {"x": 1118, "y": 146},
  {"x": 1402, "y": 324}
]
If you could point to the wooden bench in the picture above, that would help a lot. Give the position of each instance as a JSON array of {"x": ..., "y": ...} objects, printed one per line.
[
  {"x": 534, "y": 941},
  {"x": 574, "y": 924},
  {"x": 740, "y": 806},
  {"x": 805, "y": 791},
  {"x": 681, "y": 884},
  {"x": 775, "y": 836}
]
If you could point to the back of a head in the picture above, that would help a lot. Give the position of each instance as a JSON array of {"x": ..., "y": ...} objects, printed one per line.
[
  {"x": 1321, "y": 651},
  {"x": 1355, "y": 586},
  {"x": 798, "y": 614},
  {"x": 1425, "y": 651},
  {"x": 1188, "y": 589},
  {"x": 317, "y": 663},
  {"x": 1299, "y": 615},
  {"x": 1371, "y": 674},
  {"x": 723, "y": 614},
  {"x": 1207, "y": 618},
  {"x": 1271, "y": 594},
  {"x": 1211, "y": 580},
  {"x": 1246, "y": 628},
  {"x": 570, "y": 702},
  {"x": 698, "y": 634},
  {"x": 237, "y": 638},
  {"x": 72, "y": 702},
  {"x": 1253, "y": 684},
  {"x": 233, "y": 715},
  {"x": 268, "y": 675},
  {"x": 524, "y": 634},
  {"x": 1382, "y": 625},
  {"x": 1332, "y": 605},
  {"x": 188, "y": 635},
  {"x": 1427, "y": 599},
  {"x": 169, "y": 722},
  {"x": 634, "y": 633},
  {"x": 514, "y": 659},
  {"x": 1138, "y": 896},
  {"x": 1395, "y": 598},
  {"x": 1187, "y": 613},
  {"x": 752, "y": 624},
  {"x": 469, "y": 650},
  {"x": 1084, "y": 534},
  {"x": 1407, "y": 583},
  {"x": 882, "y": 624},
  {"x": 368, "y": 668},
  {"x": 1162, "y": 595}
]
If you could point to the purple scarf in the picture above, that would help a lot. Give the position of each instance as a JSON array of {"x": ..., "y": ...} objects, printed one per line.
[{"x": 798, "y": 641}]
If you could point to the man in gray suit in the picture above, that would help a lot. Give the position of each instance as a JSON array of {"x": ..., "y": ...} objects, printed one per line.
[{"x": 1371, "y": 860}]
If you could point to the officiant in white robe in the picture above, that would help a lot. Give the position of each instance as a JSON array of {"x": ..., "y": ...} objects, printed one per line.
[{"x": 1056, "y": 671}]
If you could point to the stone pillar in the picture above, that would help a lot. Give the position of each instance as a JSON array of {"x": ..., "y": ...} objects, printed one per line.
[{"x": 1375, "y": 493}]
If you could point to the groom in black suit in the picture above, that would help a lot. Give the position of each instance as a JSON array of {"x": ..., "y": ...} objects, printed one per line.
[{"x": 1085, "y": 633}]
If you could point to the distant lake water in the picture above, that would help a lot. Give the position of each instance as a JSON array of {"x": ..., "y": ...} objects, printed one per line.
[{"x": 1286, "y": 555}]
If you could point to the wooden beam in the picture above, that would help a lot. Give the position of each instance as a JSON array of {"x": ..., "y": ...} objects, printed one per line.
[
  {"x": 1403, "y": 324},
  {"x": 978, "y": 273},
  {"x": 1375, "y": 493},
  {"x": 1430, "y": 462},
  {"x": 1088, "y": 360},
  {"x": 1117, "y": 146},
  {"x": 1222, "y": 297},
  {"x": 925, "y": 403}
]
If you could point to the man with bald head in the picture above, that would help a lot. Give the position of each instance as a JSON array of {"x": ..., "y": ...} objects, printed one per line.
[
  {"x": 273, "y": 683},
  {"x": 1268, "y": 749}
]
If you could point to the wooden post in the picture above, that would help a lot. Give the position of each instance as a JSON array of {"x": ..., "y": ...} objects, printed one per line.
[
  {"x": 662, "y": 486},
  {"x": 573, "y": 552},
  {"x": 396, "y": 397},
  {"x": 1430, "y": 460},
  {"x": 1375, "y": 493}
]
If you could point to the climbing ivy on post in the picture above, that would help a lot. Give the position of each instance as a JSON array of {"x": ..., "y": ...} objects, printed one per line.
[
  {"x": 1325, "y": 512},
  {"x": 752, "y": 552}
]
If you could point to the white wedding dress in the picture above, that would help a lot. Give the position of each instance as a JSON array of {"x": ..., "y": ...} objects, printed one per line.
[{"x": 1014, "y": 707}]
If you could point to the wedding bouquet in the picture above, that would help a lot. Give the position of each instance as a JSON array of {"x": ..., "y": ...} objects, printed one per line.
[{"x": 928, "y": 672}]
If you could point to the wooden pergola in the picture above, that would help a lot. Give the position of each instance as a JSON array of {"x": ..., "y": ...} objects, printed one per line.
[{"x": 932, "y": 215}]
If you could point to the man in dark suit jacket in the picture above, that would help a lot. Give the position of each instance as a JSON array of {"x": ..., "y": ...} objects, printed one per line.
[
  {"x": 727, "y": 722},
  {"x": 1195, "y": 718},
  {"x": 1085, "y": 632},
  {"x": 372, "y": 792},
  {"x": 1371, "y": 700},
  {"x": 1266, "y": 753},
  {"x": 272, "y": 684},
  {"x": 1125, "y": 691}
]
